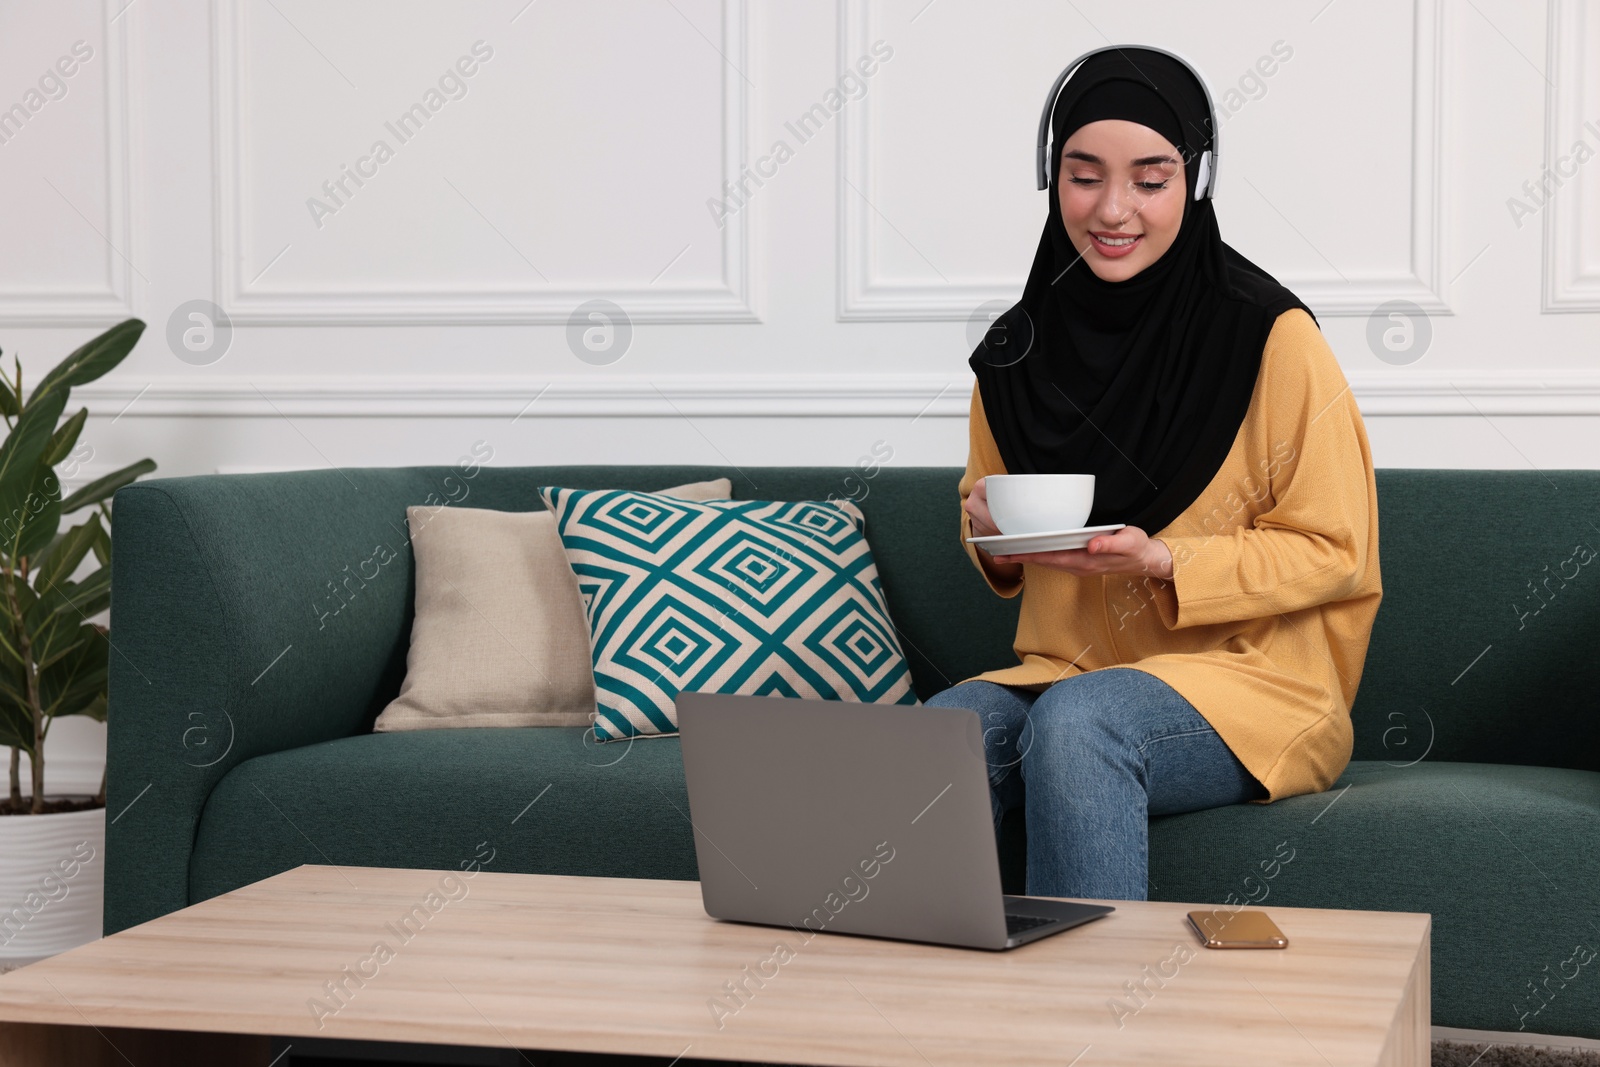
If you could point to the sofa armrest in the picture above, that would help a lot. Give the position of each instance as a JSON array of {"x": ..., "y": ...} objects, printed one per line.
[{"x": 250, "y": 614}]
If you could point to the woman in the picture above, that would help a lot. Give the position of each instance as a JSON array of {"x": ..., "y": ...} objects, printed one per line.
[{"x": 1208, "y": 652}]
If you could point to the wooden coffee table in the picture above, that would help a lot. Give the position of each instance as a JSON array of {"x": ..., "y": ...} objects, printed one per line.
[{"x": 544, "y": 962}]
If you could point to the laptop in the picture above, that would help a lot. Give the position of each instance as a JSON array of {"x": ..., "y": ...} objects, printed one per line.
[{"x": 830, "y": 816}]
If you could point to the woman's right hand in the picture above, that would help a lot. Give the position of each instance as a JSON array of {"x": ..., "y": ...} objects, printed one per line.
[{"x": 977, "y": 506}]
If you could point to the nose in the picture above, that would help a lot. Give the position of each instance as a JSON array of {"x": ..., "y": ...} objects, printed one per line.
[{"x": 1118, "y": 203}]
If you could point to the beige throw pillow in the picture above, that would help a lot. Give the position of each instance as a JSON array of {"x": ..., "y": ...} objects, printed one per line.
[{"x": 500, "y": 637}]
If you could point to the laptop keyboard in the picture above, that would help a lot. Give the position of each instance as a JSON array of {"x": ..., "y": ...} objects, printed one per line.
[{"x": 1016, "y": 924}]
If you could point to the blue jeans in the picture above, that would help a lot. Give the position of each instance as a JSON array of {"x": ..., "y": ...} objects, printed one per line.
[{"x": 1090, "y": 759}]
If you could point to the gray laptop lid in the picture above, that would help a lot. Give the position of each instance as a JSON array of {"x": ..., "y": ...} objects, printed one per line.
[{"x": 828, "y": 815}]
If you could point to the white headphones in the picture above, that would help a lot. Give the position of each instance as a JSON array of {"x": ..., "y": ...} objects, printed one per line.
[{"x": 1205, "y": 182}]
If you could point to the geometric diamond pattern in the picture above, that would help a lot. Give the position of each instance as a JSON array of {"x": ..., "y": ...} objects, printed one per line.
[{"x": 725, "y": 596}]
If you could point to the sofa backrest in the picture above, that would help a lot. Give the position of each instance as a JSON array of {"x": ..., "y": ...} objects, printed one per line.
[
  {"x": 1483, "y": 648},
  {"x": 1485, "y": 644}
]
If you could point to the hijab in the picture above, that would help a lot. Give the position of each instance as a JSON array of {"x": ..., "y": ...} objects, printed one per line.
[{"x": 1143, "y": 382}]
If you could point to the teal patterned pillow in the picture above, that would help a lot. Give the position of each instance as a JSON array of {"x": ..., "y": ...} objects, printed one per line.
[{"x": 725, "y": 596}]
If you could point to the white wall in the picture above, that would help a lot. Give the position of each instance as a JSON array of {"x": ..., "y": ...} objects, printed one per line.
[{"x": 1378, "y": 161}]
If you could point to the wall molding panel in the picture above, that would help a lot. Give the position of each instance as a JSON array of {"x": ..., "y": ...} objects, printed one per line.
[
  {"x": 111, "y": 303},
  {"x": 1571, "y": 241},
  {"x": 736, "y": 298},
  {"x": 1378, "y": 393}
]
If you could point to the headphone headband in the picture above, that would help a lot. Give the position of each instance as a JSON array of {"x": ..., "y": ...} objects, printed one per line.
[{"x": 1206, "y": 179}]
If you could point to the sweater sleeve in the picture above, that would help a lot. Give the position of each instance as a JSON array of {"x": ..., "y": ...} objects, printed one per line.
[
  {"x": 983, "y": 459},
  {"x": 1309, "y": 545}
]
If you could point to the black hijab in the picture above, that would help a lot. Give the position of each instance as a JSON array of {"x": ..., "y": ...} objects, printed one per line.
[{"x": 1144, "y": 382}]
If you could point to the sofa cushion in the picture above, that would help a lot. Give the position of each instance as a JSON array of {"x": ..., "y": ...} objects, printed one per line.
[
  {"x": 759, "y": 597},
  {"x": 545, "y": 799},
  {"x": 499, "y": 637},
  {"x": 1505, "y": 858}
]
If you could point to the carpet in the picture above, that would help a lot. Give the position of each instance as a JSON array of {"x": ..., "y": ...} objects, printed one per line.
[{"x": 1464, "y": 1054}]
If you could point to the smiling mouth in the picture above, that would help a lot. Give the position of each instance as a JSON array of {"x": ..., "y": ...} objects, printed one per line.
[{"x": 1115, "y": 246}]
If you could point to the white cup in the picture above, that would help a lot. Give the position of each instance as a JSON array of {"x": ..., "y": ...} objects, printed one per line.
[{"x": 1039, "y": 503}]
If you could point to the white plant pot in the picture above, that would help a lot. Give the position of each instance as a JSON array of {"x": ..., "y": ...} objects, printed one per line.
[{"x": 52, "y": 882}]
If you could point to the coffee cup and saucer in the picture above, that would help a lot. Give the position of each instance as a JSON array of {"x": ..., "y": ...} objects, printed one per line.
[{"x": 1039, "y": 513}]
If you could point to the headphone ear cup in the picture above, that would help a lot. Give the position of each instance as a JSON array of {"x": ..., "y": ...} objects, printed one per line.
[{"x": 1202, "y": 181}]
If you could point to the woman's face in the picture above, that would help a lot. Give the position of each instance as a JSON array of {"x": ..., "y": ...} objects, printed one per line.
[{"x": 1120, "y": 180}]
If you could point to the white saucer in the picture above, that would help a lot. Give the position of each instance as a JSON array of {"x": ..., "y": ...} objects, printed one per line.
[{"x": 1049, "y": 541}]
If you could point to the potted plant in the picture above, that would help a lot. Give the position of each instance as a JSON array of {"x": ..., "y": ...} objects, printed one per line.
[{"x": 53, "y": 657}]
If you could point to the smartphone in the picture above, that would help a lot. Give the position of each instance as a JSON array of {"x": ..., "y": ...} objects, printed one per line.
[{"x": 1240, "y": 929}]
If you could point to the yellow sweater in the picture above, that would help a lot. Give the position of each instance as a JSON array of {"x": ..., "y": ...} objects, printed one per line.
[{"x": 1264, "y": 625}]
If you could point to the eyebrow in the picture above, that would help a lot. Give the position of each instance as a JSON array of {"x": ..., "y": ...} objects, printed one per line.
[{"x": 1142, "y": 161}]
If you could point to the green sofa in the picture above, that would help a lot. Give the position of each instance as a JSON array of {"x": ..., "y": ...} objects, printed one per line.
[{"x": 241, "y": 710}]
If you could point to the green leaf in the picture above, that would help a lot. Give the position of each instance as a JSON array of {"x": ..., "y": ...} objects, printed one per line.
[
  {"x": 16, "y": 719},
  {"x": 102, "y": 546},
  {"x": 60, "y": 640},
  {"x": 95, "y": 709},
  {"x": 66, "y": 435},
  {"x": 30, "y": 617},
  {"x": 102, "y": 488},
  {"x": 56, "y": 619},
  {"x": 92, "y": 595},
  {"x": 71, "y": 685},
  {"x": 14, "y": 703},
  {"x": 28, "y": 529},
  {"x": 10, "y": 645},
  {"x": 22, "y": 452},
  {"x": 8, "y": 400},
  {"x": 58, "y": 562},
  {"x": 38, "y": 559},
  {"x": 16, "y": 729},
  {"x": 70, "y": 602},
  {"x": 93, "y": 359},
  {"x": 44, "y": 514}
]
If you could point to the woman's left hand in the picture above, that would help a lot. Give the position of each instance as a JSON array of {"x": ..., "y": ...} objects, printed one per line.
[{"x": 1126, "y": 551}]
